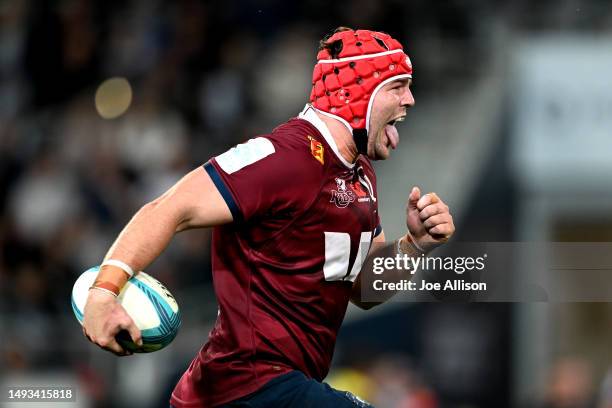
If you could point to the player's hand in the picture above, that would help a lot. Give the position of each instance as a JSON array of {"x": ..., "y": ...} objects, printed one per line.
[
  {"x": 428, "y": 219},
  {"x": 103, "y": 318}
]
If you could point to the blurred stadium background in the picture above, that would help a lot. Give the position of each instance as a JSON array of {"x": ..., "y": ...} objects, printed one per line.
[{"x": 105, "y": 104}]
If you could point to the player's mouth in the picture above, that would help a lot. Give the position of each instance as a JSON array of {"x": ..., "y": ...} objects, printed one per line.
[{"x": 391, "y": 131}]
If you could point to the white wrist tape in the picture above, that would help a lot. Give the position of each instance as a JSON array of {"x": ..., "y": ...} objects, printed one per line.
[
  {"x": 417, "y": 246},
  {"x": 399, "y": 246},
  {"x": 119, "y": 264}
]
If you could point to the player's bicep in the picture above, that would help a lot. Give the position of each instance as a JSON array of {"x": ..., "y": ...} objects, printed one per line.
[{"x": 196, "y": 202}]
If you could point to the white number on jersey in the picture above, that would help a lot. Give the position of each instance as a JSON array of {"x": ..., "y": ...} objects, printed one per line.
[{"x": 337, "y": 255}]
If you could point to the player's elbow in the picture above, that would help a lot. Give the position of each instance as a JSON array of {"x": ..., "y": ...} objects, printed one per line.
[
  {"x": 165, "y": 210},
  {"x": 147, "y": 209},
  {"x": 155, "y": 203},
  {"x": 152, "y": 208}
]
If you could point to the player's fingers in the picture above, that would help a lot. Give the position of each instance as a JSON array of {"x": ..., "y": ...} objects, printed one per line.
[
  {"x": 447, "y": 229},
  {"x": 134, "y": 331},
  {"x": 86, "y": 335},
  {"x": 413, "y": 198},
  {"x": 433, "y": 209},
  {"x": 110, "y": 344},
  {"x": 435, "y": 220},
  {"x": 427, "y": 199},
  {"x": 424, "y": 201}
]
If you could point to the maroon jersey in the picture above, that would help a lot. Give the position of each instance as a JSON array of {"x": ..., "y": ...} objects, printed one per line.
[{"x": 283, "y": 270}]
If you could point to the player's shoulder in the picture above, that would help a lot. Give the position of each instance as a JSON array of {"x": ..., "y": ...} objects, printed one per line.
[
  {"x": 288, "y": 143},
  {"x": 287, "y": 153},
  {"x": 297, "y": 142},
  {"x": 295, "y": 134}
]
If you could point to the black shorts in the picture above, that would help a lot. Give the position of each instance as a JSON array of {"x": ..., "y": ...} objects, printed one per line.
[{"x": 294, "y": 389}]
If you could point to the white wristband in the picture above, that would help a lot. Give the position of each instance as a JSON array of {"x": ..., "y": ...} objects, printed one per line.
[
  {"x": 417, "y": 246},
  {"x": 119, "y": 264},
  {"x": 399, "y": 246}
]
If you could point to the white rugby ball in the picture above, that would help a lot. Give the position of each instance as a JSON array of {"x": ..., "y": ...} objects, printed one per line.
[{"x": 146, "y": 300}]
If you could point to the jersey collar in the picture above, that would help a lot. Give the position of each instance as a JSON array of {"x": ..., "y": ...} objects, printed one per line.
[{"x": 310, "y": 114}]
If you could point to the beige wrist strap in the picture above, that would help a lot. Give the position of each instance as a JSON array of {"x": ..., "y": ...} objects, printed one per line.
[{"x": 103, "y": 290}]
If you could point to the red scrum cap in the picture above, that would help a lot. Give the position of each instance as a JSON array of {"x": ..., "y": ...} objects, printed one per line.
[{"x": 344, "y": 84}]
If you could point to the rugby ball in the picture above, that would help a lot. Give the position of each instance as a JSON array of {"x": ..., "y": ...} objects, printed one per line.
[{"x": 146, "y": 300}]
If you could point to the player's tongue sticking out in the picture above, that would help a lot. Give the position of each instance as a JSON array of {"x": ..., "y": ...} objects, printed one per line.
[{"x": 392, "y": 135}]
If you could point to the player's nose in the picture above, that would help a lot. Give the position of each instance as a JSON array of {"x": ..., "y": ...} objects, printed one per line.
[{"x": 407, "y": 99}]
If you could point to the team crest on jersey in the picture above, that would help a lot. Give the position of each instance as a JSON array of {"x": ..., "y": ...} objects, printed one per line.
[
  {"x": 316, "y": 149},
  {"x": 342, "y": 197}
]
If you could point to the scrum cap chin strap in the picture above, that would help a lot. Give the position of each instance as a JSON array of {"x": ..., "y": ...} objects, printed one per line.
[{"x": 361, "y": 140}]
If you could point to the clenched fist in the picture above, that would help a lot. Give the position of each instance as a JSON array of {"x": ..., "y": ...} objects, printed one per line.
[{"x": 428, "y": 220}]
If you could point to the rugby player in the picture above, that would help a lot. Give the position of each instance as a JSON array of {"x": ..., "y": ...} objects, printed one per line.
[{"x": 292, "y": 212}]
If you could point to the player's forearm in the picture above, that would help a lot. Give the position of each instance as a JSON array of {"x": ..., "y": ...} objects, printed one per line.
[
  {"x": 142, "y": 240},
  {"x": 363, "y": 289},
  {"x": 193, "y": 202}
]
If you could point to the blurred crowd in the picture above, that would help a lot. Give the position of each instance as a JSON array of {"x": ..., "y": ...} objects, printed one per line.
[
  {"x": 203, "y": 75},
  {"x": 394, "y": 381}
]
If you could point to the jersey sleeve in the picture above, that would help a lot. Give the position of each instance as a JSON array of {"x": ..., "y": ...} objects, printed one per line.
[{"x": 263, "y": 176}]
